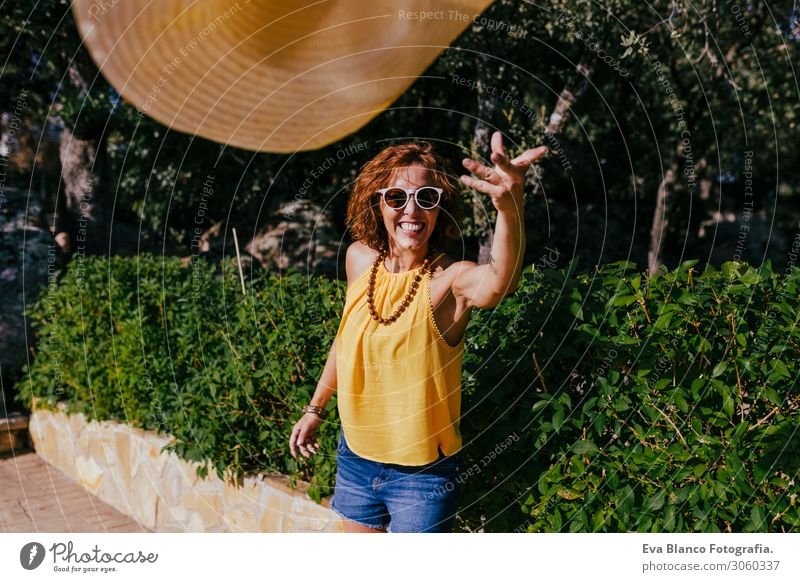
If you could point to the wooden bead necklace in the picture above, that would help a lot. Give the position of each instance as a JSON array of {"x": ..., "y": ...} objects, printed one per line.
[{"x": 409, "y": 296}]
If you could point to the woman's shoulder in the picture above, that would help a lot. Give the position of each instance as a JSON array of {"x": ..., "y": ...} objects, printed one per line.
[
  {"x": 359, "y": 258},
  {"x": 451, "y": 268}
]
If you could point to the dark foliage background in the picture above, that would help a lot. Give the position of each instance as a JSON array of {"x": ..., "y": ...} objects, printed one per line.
[{"x": 657, "y": 109}]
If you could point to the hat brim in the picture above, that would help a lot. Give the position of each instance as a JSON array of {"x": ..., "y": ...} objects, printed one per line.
[{"x": 264, "y": 75}]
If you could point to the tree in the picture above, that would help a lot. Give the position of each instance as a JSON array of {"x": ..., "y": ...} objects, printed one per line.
[
  {"x": 653, "y": 110},
  {"x": 48, "y": 60}
]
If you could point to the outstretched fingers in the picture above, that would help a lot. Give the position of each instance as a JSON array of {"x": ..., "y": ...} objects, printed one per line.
[
  {"x": 499, "y": 157},
  {"x": 482, "y": 185},
  {"x": 505, "y": 174},
  {"x": 477, "y": 168},
  {"x": 529, "y": 156}
]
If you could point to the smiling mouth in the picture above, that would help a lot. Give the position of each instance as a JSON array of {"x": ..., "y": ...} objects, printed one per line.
[{"x": 411, "y": 227}]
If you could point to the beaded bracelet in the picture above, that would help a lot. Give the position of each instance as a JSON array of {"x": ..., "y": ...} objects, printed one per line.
[{"x": 318, "y": 410}]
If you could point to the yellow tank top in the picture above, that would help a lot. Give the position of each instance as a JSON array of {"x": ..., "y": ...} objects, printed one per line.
[{"x": 398, "y": 385}]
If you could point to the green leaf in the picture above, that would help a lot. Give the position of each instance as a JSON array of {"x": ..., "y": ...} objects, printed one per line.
[
  {"x": 736, "y": 469},
  {"x": 773, "y": 397},
  {"x": 756, "y": 519},
  {"x": 663, "y": 321},
  {"x": 539, "y": 405},
  {"x": 558, "y": 420},
  {"x": 568, "y": 494},
  {"x": 780, "y": 369},
  {"x": 727, "y": 404},
  {"x": 778, "y": 348},
  {"x": 751, "y": 277},
  {"x": 663, "y": 383},
  {"x": 543, "y": 486},
  {"x": 719, "y": 369},
  {"x": 624, "y": 300},
  {"x": 681, "y": 403},
  {"x": 656, "y": 502},
  {"x": 621, "y": 406},
  {"x": 584, "y": 447},
  {"x": 557, "y": 520},
  {"x": 760, "y": 474},
  {"x": 625, "y": 500}
]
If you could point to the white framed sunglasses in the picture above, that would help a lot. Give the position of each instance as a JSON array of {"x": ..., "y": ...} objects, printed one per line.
[{"x": 427, "y": 197}]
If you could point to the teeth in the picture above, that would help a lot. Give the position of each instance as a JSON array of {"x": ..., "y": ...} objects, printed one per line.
[{"x": 411, "y": 227}]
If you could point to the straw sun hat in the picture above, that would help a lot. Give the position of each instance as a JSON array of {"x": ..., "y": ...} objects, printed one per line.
[{"x": 277, "y": 76}]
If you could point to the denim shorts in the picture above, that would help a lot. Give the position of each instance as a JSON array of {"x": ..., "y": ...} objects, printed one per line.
[{"x": 407, "y": 499}]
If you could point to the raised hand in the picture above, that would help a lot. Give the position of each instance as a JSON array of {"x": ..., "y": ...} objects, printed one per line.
[{"x": 505, "y": 183}]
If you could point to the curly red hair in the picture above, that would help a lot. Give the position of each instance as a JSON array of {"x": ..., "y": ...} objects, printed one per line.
[{"x": 363, "y": 208}]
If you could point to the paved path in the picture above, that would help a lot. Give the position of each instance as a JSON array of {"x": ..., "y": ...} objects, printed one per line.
[{"x": 37, "y": 497}]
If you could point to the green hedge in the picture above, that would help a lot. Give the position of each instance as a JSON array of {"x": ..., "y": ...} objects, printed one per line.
[
  {"x": 605, "y": 401},
  {"x": 178, "y": 349}
]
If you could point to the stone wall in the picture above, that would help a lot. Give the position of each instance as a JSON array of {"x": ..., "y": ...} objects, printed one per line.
[{"x": 124, "y": 467}]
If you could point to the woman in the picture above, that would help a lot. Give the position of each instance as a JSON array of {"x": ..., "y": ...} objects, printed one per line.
[{"x": 396, "y": 358}]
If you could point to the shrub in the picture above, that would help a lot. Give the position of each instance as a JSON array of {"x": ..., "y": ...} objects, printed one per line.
[
  {"x": 609, "y": 401},
  {"x": 664, "y": 404},
  {"x": 178, "y": 349}
]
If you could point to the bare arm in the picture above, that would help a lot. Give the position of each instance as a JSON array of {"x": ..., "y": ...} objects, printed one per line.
[
  {"x": 487, "y": 285},
  {"x": 327, "y": 380}
]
